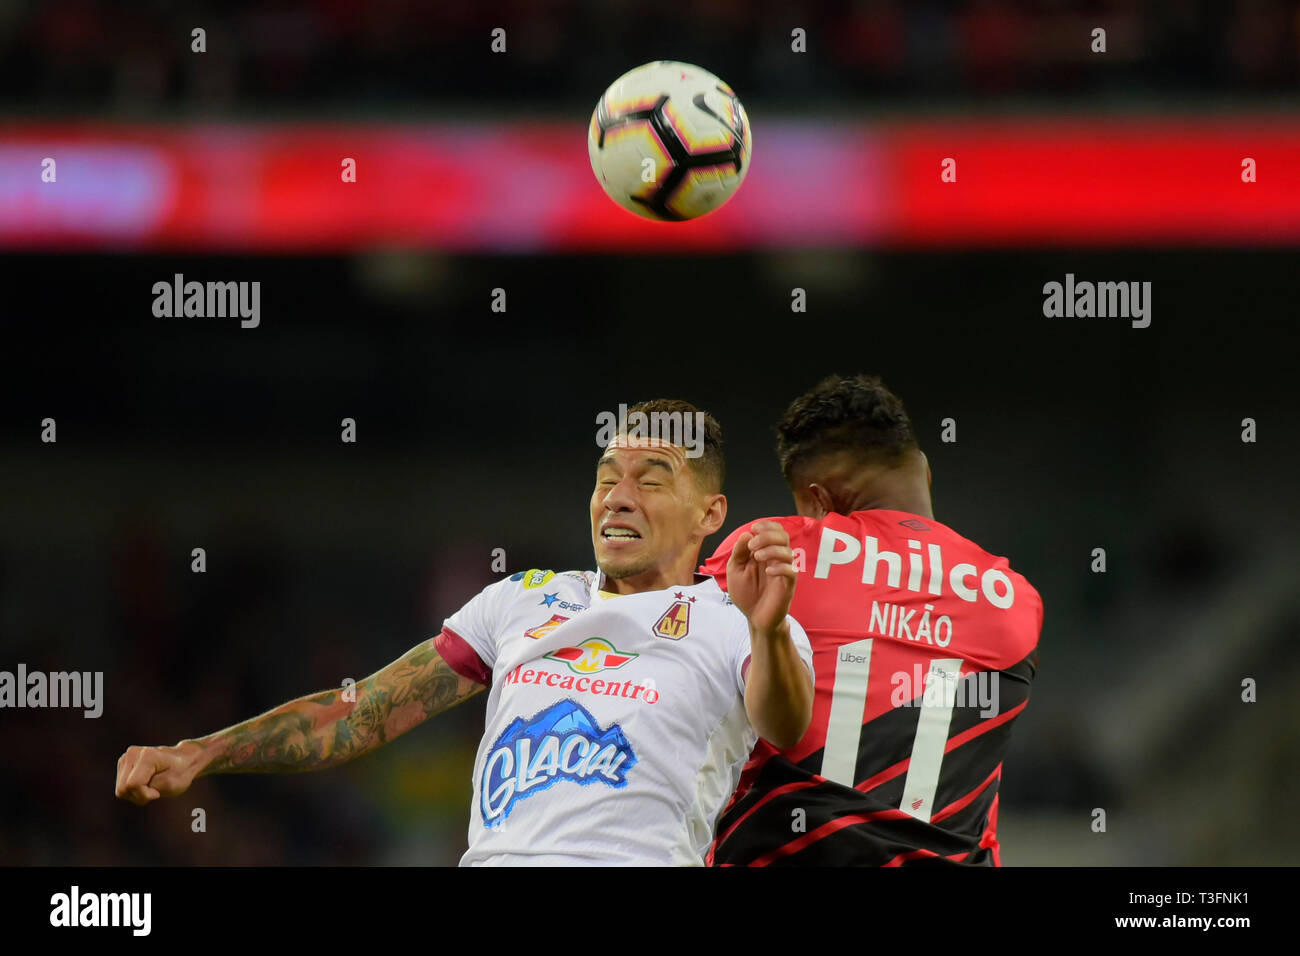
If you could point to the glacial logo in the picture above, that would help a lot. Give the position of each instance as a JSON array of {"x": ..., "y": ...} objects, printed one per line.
[{"x": 562, "y": 742}]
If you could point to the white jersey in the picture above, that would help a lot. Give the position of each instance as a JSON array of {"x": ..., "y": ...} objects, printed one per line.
[{"x": 616, "y": 726}]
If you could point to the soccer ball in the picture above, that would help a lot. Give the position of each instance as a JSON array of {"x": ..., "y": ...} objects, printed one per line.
[{"x": 669, "y": 141}]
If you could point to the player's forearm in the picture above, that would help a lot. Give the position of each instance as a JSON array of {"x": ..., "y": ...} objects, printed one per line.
[
  {"x": 323, "y": 730},
  {"x": 778, "y": 690},
  {"x": 311, "y": 733}
]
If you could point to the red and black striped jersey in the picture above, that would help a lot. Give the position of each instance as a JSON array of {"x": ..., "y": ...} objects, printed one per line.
[{"x": 924, "y": 648}]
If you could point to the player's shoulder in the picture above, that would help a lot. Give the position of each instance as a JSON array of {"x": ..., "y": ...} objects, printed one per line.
[
  {"x": 535, "y": 578},
  {"x": 919, "y": 530},
  {"x": 887, "y": 523},
  {"x": 528, "y": 585},
  {"x": 793, "y": 524},
  {"x": 716, "y": 606},
  {"x": 706, "y": 598}
]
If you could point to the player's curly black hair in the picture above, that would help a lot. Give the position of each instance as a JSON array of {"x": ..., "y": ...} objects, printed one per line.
[
  {"x": 710, "y": 467},
  {"x": 857, "y": 413}
]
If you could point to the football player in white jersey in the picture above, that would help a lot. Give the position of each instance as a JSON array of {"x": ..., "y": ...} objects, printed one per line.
[{"x": 623, "y": 701}]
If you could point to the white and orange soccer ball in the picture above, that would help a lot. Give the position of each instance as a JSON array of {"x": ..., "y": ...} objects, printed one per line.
[{"x": 669, "y": 141}]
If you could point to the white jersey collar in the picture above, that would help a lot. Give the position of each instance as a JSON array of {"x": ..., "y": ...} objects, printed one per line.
[{"x": 598, "y": 582}]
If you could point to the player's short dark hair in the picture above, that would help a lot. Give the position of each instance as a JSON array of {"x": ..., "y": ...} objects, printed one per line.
[
  {"x": 858, "y": 414},
  {"x": 710, "y": 468}
]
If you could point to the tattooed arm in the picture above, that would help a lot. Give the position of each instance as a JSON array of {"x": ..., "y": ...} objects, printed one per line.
[{"x": 310, "y": 733}]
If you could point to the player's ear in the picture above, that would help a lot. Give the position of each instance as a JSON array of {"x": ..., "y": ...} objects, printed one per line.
[
  {"x": 929, "y": 478},
  {"x": 715, "y": 514},
  {"x": 822, "y": 505}
]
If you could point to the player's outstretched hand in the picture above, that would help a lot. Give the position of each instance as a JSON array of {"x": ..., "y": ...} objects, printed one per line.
[
  {"x": 761, "y": 574},
  {"x": 146, "y": 773}
]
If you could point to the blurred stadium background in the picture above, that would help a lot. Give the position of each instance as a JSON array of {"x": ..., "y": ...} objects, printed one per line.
[{"x": 475, "y": 429}]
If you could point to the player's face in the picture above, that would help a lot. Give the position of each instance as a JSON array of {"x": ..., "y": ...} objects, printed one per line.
[{"x": 644, "y": 511}]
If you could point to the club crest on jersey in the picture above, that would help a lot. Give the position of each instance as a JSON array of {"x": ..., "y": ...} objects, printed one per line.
[
  {"x": 675, "y": 622},
  {"x": 592, "y": 656},
  {"x": 562, "y": 742},
  {"x": 541, "y": 630},
  {"x": 533, "y": 578}
]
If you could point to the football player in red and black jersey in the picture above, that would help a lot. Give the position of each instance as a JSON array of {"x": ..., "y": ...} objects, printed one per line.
[{"x": 924, "y": 648}]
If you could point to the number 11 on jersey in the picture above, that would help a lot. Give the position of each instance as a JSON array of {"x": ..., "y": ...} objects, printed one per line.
[{"x": 844, "y": 725}]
